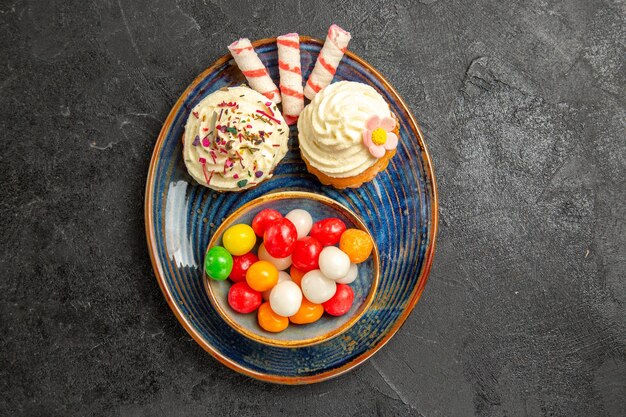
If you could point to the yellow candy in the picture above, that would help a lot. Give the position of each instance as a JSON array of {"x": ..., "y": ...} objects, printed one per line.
[{"x": 239, "y": 239}]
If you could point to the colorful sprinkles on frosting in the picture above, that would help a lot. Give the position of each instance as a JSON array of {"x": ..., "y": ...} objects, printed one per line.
[
  {"x": 204, "y": 171},
  {"x": 231, "y": 126},
  {"x": 268, "y": 116}
]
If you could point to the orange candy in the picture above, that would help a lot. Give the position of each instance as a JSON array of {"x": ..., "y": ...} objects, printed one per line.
[
  {"x": 296, "y": 275},
  {"x": 308, "y": 313},
  {"x": 271, "y": 321},
  {"x": 357, "y": 244},
  {"x": 262, "y": 276}
]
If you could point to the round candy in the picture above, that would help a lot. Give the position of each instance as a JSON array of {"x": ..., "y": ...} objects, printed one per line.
[
  {"x": 262, "y": 276},
  {"x": 282, "y": 276},
  {"x": 285, "y": 298},
  {"x": 280, "y": 263},
  {"x": 357, "y": 244},
  {"x": 316, "y": 287},
  {"x": 264, "y": 218},
  {"x": 306, "y": 253},
  {"x": 241, "y": 265},
  {"x": 328, "y": 231},
  {"x": 243, "y": 299},
  {"x": 334, "y": 263},
  {"x": 279, "y": 238},
  {"x": 341, "y": 302},
  {"x": 218, "y": 263},
  {"x": 296, "y": 275},
  {"x": 308, "y": 313},
  {"x": 270, "y": 321},
  {"x": 239, "y": 239},
  {"x": 351, "y": 276},
  {"x": 302, "y": 220}
]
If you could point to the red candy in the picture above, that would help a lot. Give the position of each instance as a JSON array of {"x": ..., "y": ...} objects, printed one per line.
[
  {"x": 328, "y": 231},
  {"x": 241, "y": 265},
  {"x": 341, "y": 302},
  {"x": 244, "y": 299},
  {"x": 280, "y": 238},
  {"x": 263, "y": 219},
  {"x": 306, "y": 253}
]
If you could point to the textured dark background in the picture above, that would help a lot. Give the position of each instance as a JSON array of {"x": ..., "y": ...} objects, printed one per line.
[{"x": 524, "y": 113}]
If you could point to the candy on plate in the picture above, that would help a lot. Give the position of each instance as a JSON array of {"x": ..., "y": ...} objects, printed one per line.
[
  {"x": 340, "y": 303},
  {"x": 218, "y": 263},
  {"x": 302, "y": 220},
  {"x": 282, "y": 276},
  {"x": 307, "y": 313},
  {"x": 357, "y": 244},
  {"x": 319, "y": 275},
  {"x": 264, "y": 218},
  {"x": 353, "y": 272},
  {"x": 285, "y": 298},
  {"x": 243, "y": 299},
  {"x": 316, "y": 287},
  {"x": 280, "y": 263},
  {"x": 280, "y": 237},
  {"x": 262, "y": 276},
  {"x": 328, "y": 231},
  {"x": 241, "y": 265},
  {"x": 306, "y": 253},
  {"x": 270, "y": 321},
  {"x": 239, "y": 239},
  {"x": 334, "y": 263}
]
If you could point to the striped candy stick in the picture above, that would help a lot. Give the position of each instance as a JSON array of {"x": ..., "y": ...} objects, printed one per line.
[
  {"x": 255, "y": 72},
  {"x": 290, "y": 76},
  {"x": 334, "y": 47}
]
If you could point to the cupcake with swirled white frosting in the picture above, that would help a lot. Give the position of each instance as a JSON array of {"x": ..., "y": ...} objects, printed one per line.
[
  {"x": 347, "y": 134},
  {"x": 233, "y": 140}
]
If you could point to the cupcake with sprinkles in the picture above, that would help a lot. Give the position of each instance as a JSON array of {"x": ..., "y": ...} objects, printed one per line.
[{"x": 233, "y": 139}]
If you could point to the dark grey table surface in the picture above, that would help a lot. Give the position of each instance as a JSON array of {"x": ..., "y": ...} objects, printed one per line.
[{"x": 525, "y": 117}]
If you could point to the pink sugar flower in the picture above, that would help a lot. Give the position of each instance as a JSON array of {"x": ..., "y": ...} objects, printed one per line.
[{"x": 378, "y": 136}]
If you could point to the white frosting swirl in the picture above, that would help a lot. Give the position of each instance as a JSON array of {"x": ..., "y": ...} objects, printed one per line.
[
  {"x": 234, "y": 138},
  {"x": 331, "y": 128}
]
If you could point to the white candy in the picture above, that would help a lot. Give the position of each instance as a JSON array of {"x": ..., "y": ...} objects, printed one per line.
[
  {"x": 286, "y": 298},
  {"x": 350, "y": 277},
  {"x": 282, "y": 276},
  {"x": 280, "y": 263},
  {"x": 334, "y": 263},
  {"x": 302, "y": 220},
  {"x": 317, "y": 288}
]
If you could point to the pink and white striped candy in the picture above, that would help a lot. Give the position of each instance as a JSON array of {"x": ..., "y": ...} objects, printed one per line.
[
  {"x": 255, "y": 72},
  {"x": 290, "y": 76},
  {"x": 334, "y": 47}
]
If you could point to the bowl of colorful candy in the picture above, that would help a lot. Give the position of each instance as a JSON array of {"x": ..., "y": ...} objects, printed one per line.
[{"x": 291, "y": 269}]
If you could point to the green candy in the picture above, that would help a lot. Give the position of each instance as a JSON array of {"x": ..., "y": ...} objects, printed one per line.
[{"x": 218, "y": 263}]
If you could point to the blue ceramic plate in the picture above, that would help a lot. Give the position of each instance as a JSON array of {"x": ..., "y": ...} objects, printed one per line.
[
  {"x": 364, "y": 286},
  {"x": 399, "y": 207}
]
